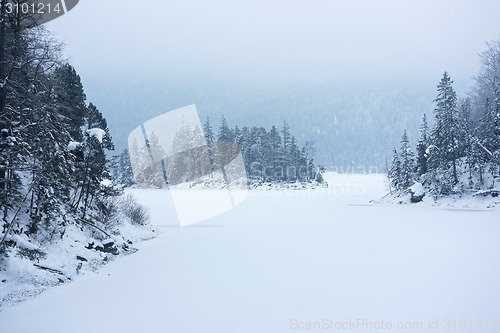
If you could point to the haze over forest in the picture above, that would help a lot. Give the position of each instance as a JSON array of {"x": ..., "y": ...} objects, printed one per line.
[
  {"x": 245, "y": 241},
  {"x": 340, "y": 73}
]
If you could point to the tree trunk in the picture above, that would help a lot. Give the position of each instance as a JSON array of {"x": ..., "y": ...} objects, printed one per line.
[
  {"x": 3, "y": 176},
  {"x": 3, "y": 79}
]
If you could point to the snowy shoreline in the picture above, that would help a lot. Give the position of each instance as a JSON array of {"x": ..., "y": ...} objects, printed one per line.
[
  {"x": 281, "y": 255},
  {"x": 27, "y": 272},
  {"x": 21, "y": 280}
]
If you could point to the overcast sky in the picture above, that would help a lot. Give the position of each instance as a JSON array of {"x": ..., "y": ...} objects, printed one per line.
[{"x": 279, "y": 40}]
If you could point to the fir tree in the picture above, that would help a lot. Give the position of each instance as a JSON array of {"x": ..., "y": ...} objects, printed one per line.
[
  {"x": 123, "y": 175},
  {"x": 487, "y": 96},
  {"x": 394, "y": 172},
  {"x": 51, "y": 161},
  {"x": 225, "y": 133},
  {"x": 422, "y": 145},
  {"x": 207, "y": 129},
  {"x": 467, "y": 139},
  {"x": 407, "y": 163},
  {"x": 92, "y": 170},
  {"x": 274, "y": 145},
  {"x": 446, "y": 131},
  {"x": 70, "y": 98}
]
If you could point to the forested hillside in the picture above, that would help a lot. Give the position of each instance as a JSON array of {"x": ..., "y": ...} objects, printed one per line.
[
  {"x": 460, "y": 153},
  {"x": 269, "y": 155},
  {"x": 54, "y": 170},
  {"x": 272, "y": 155},
  {"x": 352, "y": 124}
]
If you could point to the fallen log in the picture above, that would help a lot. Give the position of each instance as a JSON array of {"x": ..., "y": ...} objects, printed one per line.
[{"x": 48, "y": 269}]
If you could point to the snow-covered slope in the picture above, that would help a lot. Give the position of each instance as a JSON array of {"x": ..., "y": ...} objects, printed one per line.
[{"x": 282, "y": 258}]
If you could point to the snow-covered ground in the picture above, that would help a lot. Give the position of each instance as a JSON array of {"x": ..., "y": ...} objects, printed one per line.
[{"x": 283, "y": 258}]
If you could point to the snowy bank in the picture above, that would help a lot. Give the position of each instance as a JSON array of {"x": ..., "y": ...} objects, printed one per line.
[
  {"x": 470, "y": 199},
  {"x": 278, "y": 258},
  {"x": 29, "y": 267}
]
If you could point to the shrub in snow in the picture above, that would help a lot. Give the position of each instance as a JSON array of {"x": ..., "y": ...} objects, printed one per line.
[
  {"x": 136, "y": 213},
  {"x": 107, "y": 211},
  {"x": 33, "y": 255},
  {"x": 417, "y": 192}
]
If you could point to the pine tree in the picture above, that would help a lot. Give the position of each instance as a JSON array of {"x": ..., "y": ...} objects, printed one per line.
[
  {"x": 92, "y": 169},
  {"x": 209, "y": 133},
  {"x": 487, "y": 107},
  {"x": 286, "y": 135},
  {"x": 487, "y": 95},
  {"x": 467, "y": 139},
  {"x": 308, "y": 152},
  {"x": 274, "y": 140},
  {"x": 245, "y": 144},
  {"x": 256, "y": 153},
  {"x": 225, "y": 133},
  {"x": 123, "y": 175},
  {"x": 70, "y": 98},
  {"x": 26, "y": 58},
  {"x": 422, "y": 145},
  {"x": 285, "y": 159},
  {"x": 446, "y": 131},
  {"x": 407, "y": 163},
  {"x": 394, "y": 172},
  {"x": 52, "y": 162},
  {"x": 238, "y": 136}
]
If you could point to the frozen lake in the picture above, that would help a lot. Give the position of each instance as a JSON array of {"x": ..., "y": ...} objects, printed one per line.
[{"x": 282, "y": 260}]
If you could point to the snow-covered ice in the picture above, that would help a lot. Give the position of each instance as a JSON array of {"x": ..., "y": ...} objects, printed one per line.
[{"x": 283, "y": 257}]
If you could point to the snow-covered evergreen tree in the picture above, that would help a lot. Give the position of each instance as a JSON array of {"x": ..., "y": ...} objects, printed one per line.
[
  {"x": 422, "y": 145},
  {"x": 467, "y": 144},
  {"x": 225, "y": 133},
  {"x": 70, "y": 99},
  {"x": 407, "y": 163},
  {"x": 94, "y": 175},
  {"x": 52, "y": 163},
  {"x": 123, "y": 175},
  {"x": 486, "y": 100},
  {"x": 394, "y": 172},
  {"x": 446, "y": 132},
  {"x": 402, "y": 171},
  {"x": 208, "y": 131}
]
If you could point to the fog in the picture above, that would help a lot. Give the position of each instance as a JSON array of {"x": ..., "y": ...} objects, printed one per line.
[
  {"x": 278, "y": 41},
  {"x": 342, "y": 73}
]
